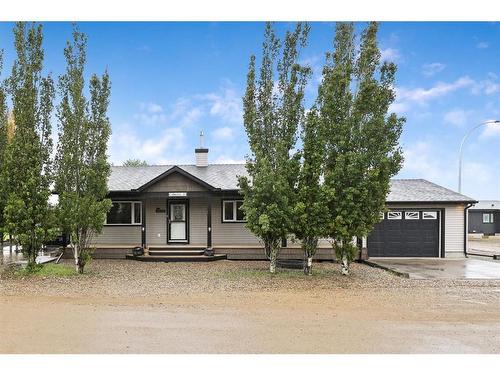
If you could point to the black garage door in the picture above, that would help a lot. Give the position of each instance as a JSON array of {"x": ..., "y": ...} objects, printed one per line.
[{"x": 406, "y": 233}]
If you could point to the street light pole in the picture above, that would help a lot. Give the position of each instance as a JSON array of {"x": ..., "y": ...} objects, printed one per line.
[{"x": 462, "y": 146}]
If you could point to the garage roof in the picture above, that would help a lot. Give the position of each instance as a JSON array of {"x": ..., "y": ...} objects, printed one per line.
[
  {"x": 420, "y": 190},
  {"x": 225, "y": 177}
]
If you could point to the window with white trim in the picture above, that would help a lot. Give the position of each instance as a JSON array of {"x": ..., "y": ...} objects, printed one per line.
[
  {"x": 394, "y": 215},
  {"x": 232, "y": 212},
  {"x": 488, "y": 218},
  {"x": 429, "y": 215},
  {"x": 412, "y": 215},
  {"x": 125, "y": 213}
]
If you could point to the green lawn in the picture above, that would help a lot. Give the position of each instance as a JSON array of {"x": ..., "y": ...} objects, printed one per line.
[{"x": 45, "y": 270}]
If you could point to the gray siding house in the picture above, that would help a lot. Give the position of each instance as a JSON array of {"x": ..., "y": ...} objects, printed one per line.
[
  {"x": 197, "y": 207},
  {"x": 484, "y": 218}
]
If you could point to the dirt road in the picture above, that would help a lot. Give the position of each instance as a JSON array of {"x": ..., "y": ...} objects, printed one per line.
[
  {"x": 320, "y": 322},
  {"x": 193, "y": 309}
]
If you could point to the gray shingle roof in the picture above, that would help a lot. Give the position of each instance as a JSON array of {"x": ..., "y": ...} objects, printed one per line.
[
  {"x": 486, "y": 205},
  {"x": 224, "y": 177},
  {"x": 420, "y": 190},
  {"x": 220, "y": 176}
]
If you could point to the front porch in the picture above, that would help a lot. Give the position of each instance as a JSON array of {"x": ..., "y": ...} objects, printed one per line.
[
  {"x": 179, "y": 215},
  {"x": 171, "y": 218}
]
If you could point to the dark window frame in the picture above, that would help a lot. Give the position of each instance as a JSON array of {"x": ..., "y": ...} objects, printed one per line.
[{"x": 132, "y": 214}]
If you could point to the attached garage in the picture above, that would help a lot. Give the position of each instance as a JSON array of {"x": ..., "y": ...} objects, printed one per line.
[
  {"x": 407, "y": 233},
  {"x": 422, "y": 220}
]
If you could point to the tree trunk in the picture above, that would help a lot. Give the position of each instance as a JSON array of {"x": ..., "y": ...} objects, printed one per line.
[
  {"x": 10, "y": 244},
  {"x": 76, "y": 253},
  {"x": 309, "y": 245},
  {"x": 272, "y": 264},
  {"x": 345, "y": 265},
  {"x": 308, "y": 266},
  {"x": 80, "y": 266}
]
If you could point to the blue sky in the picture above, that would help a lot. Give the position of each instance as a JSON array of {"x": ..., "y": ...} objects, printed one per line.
[{"x": 170, "y": 80}]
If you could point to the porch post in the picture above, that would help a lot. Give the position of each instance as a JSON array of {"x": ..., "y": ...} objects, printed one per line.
[
  {"x": 209, "y": 250},
  {"x": 143, "y": 225}
]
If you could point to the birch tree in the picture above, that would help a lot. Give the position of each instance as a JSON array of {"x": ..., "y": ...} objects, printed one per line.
[
  {"x": 81, "y": 160},
  {"x": 273, "y": 111},
  {"x": 363, "y": 151},
  {"x": 311, "y": 211},
  {"x": 28, "y": 164}
]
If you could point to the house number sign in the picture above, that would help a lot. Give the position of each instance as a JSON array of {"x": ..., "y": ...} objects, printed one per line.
[{"x": 177, "y": 194}]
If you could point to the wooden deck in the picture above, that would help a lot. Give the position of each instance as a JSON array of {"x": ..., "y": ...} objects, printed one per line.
[{"x": 177, "y": 258}]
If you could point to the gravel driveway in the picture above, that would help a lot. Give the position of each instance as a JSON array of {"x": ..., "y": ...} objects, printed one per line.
[{"x": 236, "y": 307}]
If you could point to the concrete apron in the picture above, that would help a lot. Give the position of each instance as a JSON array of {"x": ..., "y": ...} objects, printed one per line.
[{"x": 425, "y": 268}]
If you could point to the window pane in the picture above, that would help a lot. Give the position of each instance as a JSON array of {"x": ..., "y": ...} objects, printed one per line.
[
  {"x": 412, "y": 215},
  {"x": 239, "y": 212},
  {"x": 492, "y": 218},
  {"x": 486, "y": 218},
  {"x": 228, "y": 211},
  {"x": 394, "y": 215},
  {"x": 429, "y": 215},
  {"x": 137, "y": 213},
  {"x": 120, "y": 213}
]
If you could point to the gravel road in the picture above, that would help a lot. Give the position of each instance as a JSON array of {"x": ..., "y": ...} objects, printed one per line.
[{"x": 236, "y": 307}]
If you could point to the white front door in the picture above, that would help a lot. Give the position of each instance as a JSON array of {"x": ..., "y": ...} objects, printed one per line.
[{"x": 178, "y": 222}]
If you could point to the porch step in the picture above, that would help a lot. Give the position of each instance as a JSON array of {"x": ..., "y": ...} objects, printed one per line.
[
  {"x": 175, "y": 252},
  {"x": 177, "y": 258}
]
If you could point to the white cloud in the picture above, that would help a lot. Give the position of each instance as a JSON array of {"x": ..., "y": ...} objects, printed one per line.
[
  {"x": 428, "y": 159},
  {"x": 226, "y": 105},
  {"x": 126, "y": 143},
  {"x": 390, "y": 54},
  {"x": 154, "y": 108},
  {"x": 224, "y": 133},
  {"x": 482, "y": 45},
  {"x": 421, "y": 95},
  {"x": 421, "y": 162},
  {"x": 432, "y": 68},
  {"x": 457, "y": 117},
  {"x": 165, "y": 140},
  {"x": 405, "y": 97},
  {"x": 150, "y": 114},
  {"x": 491, "y": 131}
]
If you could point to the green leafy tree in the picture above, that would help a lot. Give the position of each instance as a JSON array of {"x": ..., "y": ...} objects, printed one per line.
[
  {"x": 363, "y": 151},
  {"x": 311, "y": 211},
  {"x": 135, "y": 163},
  {"x": 81, "y": 160},
  {"x": 27, "y": 213},
  {"x": 272, "y": 114},
  {"x": 3, "y": 151}
]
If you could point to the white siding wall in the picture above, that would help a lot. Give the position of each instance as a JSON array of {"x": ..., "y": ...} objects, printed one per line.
[
  {"x": 454, "y": 230},
  {"x": 175, "y": 182},
  {"x": 119, "y": 235},
  {"x": 198, "y": 221},
  {"x": 156, "y": 223},
  {"x": 453, "y": 227},
  {"x": 235, "y": 234}
]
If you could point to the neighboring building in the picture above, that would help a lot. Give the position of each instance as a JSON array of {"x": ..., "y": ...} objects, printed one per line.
[
  {"x": 484, "y": 218},
  {"x": 197, "y": 207}
]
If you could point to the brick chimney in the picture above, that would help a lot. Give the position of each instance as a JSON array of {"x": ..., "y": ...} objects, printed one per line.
[{"x": 201, "y": 153}]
